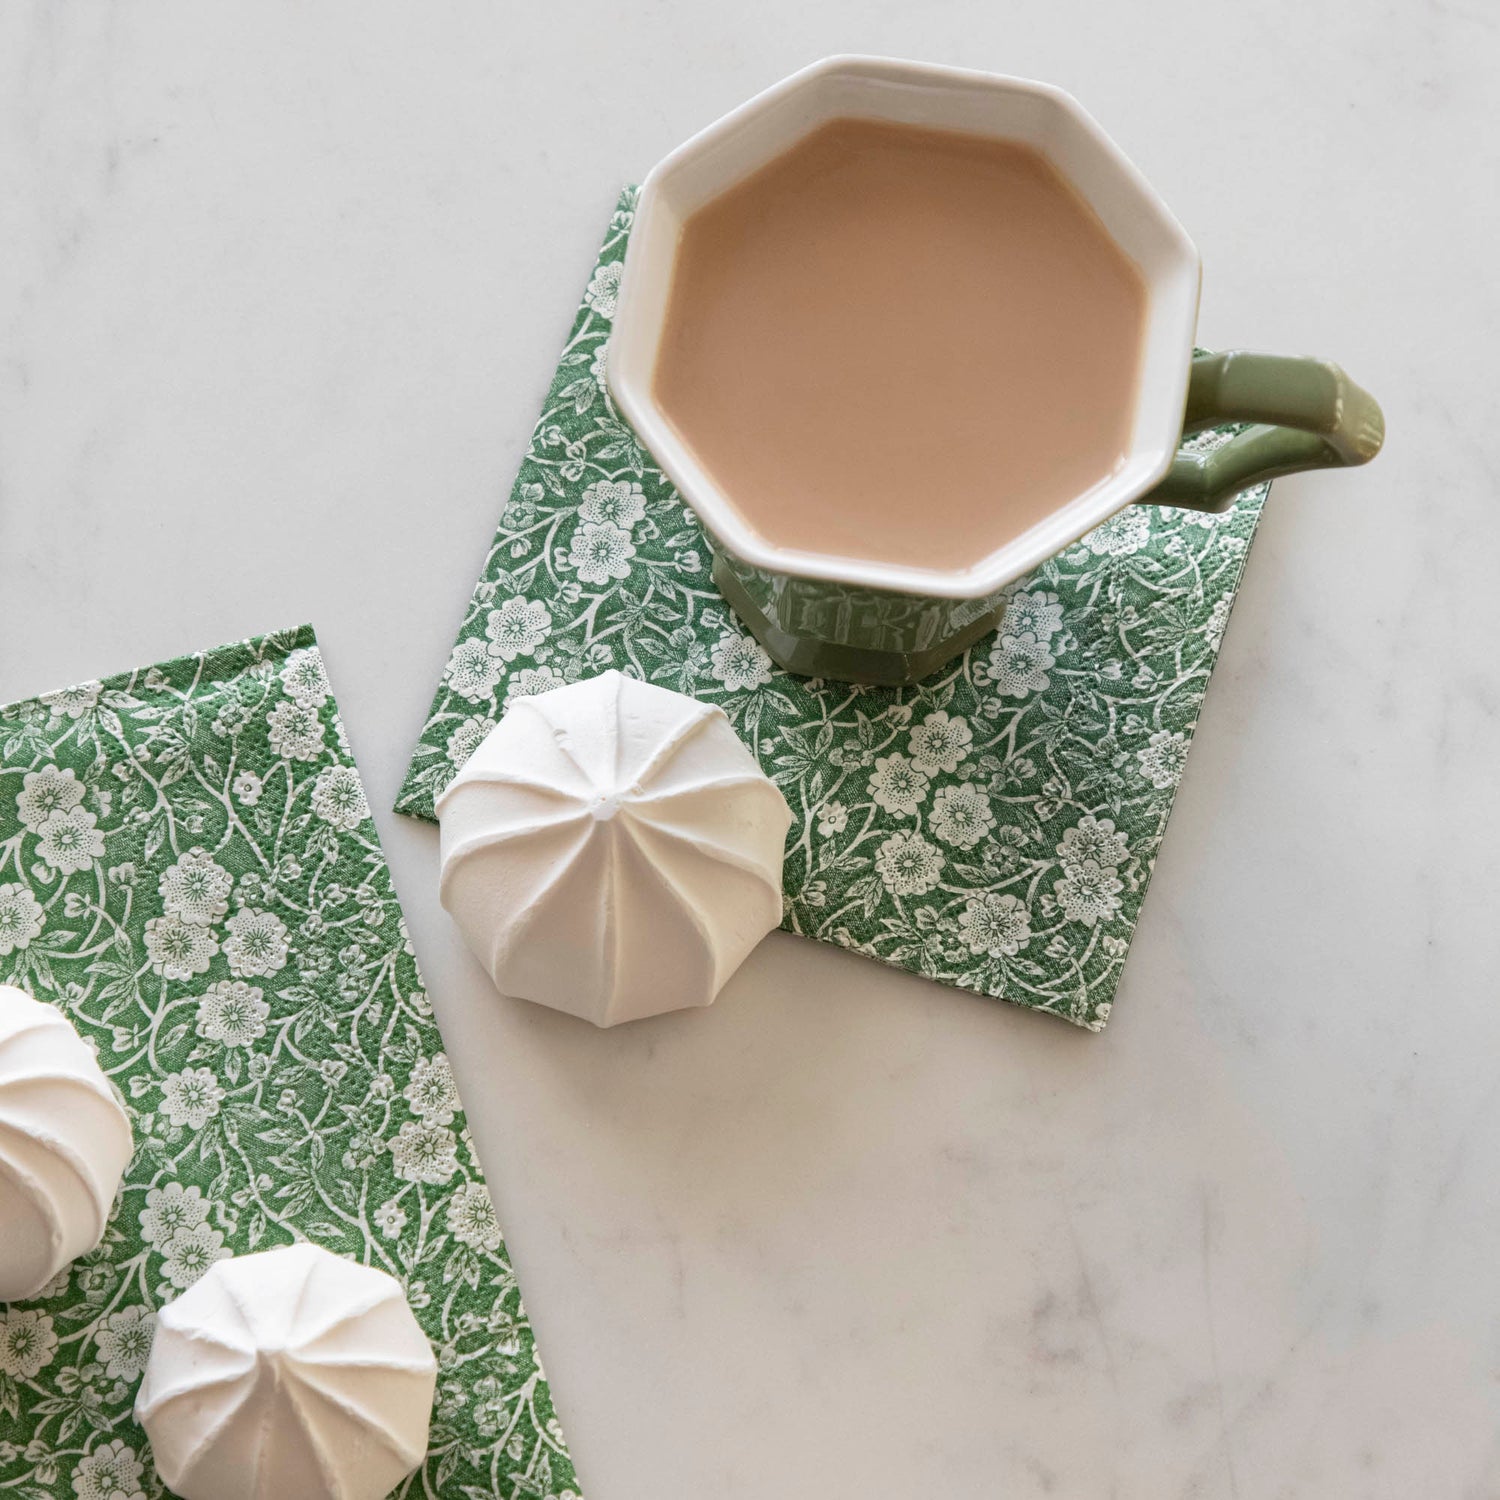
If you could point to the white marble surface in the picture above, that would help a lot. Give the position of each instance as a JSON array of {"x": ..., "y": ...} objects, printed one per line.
[{"x": 280, "y": 289}]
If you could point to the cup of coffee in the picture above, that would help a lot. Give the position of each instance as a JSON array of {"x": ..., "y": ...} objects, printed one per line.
[{"x": 898, "y": 333}]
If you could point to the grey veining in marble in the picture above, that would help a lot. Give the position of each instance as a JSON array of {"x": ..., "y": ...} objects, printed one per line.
[{"x": 280, "y": 287}]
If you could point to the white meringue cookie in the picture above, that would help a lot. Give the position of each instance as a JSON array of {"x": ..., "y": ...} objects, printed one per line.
[
  {"x": 613, "y": 850},
  {"x": 64, "y": 1145},
  {"x": 289, "y": 1375}
]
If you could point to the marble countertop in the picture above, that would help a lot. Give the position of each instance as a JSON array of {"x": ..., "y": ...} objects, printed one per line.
[{"x": 280, "y": 290}]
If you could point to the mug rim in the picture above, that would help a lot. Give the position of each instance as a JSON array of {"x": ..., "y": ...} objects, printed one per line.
[{"x": 845, "y": 85}]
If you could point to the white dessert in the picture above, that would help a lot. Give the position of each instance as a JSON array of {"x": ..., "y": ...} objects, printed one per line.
[
  {"x": 64, "y": 1145},
  {"x": 289, "y": 1375},
  {"x": 613, "y": 850}
]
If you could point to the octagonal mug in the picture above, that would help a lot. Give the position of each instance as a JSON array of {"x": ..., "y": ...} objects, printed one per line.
[{"x": 883, "y": 622}]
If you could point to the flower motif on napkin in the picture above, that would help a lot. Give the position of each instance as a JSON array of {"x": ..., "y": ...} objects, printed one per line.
[
  {"x": 187, "y": 863},
  {"x": 992, "y": 827}
]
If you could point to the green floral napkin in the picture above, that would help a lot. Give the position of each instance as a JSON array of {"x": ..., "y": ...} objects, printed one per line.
[
  {"x": 993, "y": 828},
  {"x": 189, "y": 870}
]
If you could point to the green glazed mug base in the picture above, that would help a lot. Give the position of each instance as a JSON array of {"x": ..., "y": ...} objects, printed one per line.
[{"x": 807, "y": 656}]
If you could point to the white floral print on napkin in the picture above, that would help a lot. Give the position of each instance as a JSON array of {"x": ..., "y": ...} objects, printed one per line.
[
  {"x": 949, "y": 828},
  {"x": 188, "y": 869}
]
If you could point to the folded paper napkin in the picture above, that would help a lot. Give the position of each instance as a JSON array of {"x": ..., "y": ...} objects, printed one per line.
[
  {"x": 189, "y": 870},
  {"x": 994, "y": 827}
]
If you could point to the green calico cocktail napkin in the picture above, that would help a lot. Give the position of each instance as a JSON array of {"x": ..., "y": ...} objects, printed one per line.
[
  {"x": 188, "y": 869},
  {"x": 994, "y": 827}
]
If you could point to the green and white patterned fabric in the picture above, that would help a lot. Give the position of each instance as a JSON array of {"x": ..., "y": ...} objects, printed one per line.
[
  {"x": 994, "y": 827},
  {"x": 188, "y": 869}
]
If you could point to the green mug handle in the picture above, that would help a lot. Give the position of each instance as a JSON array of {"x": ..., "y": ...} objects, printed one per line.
[{"x": 1307, "y": 413}]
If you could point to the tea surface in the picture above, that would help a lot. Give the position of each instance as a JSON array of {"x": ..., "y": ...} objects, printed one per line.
[{"x": 901, "y": 344}]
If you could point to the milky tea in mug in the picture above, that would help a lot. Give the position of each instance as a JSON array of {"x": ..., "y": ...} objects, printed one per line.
[{"x": 901, "y": 344}]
